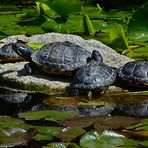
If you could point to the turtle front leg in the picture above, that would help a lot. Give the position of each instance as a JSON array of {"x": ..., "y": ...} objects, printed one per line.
[{"x": 29, "y": 69}]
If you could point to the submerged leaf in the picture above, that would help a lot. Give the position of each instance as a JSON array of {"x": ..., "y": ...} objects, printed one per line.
[{"x": 137, "y": 28}]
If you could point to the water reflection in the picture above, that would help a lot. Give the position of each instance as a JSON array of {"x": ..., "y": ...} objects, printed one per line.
[
  {"x": 135, "y": 109},
  {"x": 12, "y": 102}
]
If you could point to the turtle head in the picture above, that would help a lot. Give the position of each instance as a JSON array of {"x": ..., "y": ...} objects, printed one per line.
[
  {"x": 96, "y": 56},
  {"x": 23, "y": 50}
]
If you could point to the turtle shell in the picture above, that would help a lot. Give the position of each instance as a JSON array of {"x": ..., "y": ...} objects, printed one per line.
[
  {"x": 7, "y": 54},
  {"x": 136, "y": 73},
  {"x": 94, "y": 75},
  {"x": 60, "y": 57}
]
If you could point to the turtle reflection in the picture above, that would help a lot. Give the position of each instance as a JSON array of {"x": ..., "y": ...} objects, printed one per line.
[
  {"x": 87, "y": 110},
  {"x": 135, "y": 109}
]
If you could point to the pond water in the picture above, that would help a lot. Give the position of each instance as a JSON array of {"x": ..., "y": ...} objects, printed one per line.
[{"x": 129, "y": 106}]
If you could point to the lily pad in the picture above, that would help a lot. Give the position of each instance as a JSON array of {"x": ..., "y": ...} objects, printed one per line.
[
  {"x": 84, "y": 122},
  {"x": 137, "y": 28},
  {"x": 56, "y": 145},
  {"x": 13, "y": 137},
  {"x": 140, "y": 53},
  {"x": 106, "y": 139},
  {"x": 48, "y": 115},
  {"x": 116, "y": 122},
  {"x": 117, "y": 38},
  {"x": 70, "y": 133}
]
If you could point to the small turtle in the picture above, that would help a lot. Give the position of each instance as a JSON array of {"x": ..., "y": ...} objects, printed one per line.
[
  {"x": 55, "y": 58},
  {"x": 7, "y": 54},
  {"x": 134, "y": 73},
  {"x": 95, "y": 76}
]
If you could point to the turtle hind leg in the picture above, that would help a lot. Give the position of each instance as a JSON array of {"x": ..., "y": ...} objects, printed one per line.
[{"x": 73, "y": 92}]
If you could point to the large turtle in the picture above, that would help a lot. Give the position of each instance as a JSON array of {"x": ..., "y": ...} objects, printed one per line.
[
  {"x": 95, "y": 76},
  {"x": 54, "y": 58},
  {"x": 134, "y": 73},
  {"x": 7, "y": 54}
]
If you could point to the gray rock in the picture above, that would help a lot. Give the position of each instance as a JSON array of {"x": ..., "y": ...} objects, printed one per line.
[{"x": 9, "y": 72}]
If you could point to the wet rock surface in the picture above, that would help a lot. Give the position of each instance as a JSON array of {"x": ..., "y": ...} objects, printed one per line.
[{"x": 10, "y": 72}]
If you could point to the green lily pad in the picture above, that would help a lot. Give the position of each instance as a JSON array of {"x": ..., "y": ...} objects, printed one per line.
[
  {"x": 137, "y": 28},
  {"x": 51, "y": 26},
  {"x": 13, "y": 137},
  {"x": 117, "y": 38},
  {"x": 40, "y": 137},
  {"x": 140, "y": 53},
  {"x": 48, "y": 115},
  {"x": 56, "y": 145},
  {"x": 48, "y": 130},
  {"x": 106, "y": 139},
  {"x": 65, "y": 7},
  {"x": 144, "y": 143},
  {"x": 116, "y": 122},
  {"x": 9, "y": 122},
  {"x": 143, "y": 125},
  {"x": 70, "y": 133},
  {"x": 35, "y": 46}
]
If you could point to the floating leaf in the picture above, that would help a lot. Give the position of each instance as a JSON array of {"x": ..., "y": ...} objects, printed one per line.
[
  {"x": 9, "y": 122},
  {"x": 68, "y": 134},
  {"x": 89, "y": 26},
  {"x": 16, "y": 139},
  {"x": 56, "y": 145},
  {"x": 74, "y": 24},
  {"x": 144, "y": 143},
  {"x": 140, "y": 53},
  {"x": 93, "y": 139},
  {"x": 48, "y": 11},
  {"x": 35, "y": 46},
  {"x": 65, "y": 7},
  {"x": 51, "y": 26},
  {"x": 116, "y": 122},
  {"x": 137, "y": 28},
  {"x": 117, "y": 38},
  {"x": 143, "y": 125},
  {"x": 48, "y": 114},
  {"x": 48, "y": 130},
  {"x": 40, "y": 137}
]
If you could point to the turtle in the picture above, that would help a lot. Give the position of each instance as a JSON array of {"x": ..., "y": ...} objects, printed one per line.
[
  {"x": 7, "y": 54},
  {"x": 95, "y": 76},
  {"x": 59, "y": 58},
  {"x": 134, "y": 74}
]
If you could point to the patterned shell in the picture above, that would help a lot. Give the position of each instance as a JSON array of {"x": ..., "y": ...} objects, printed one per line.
[
  {"x": 94, "y": 75},
  {"x": 8, "y": 55},
  {"x": 135, "y": 72},
  {"x": 63, "y": 56}
]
